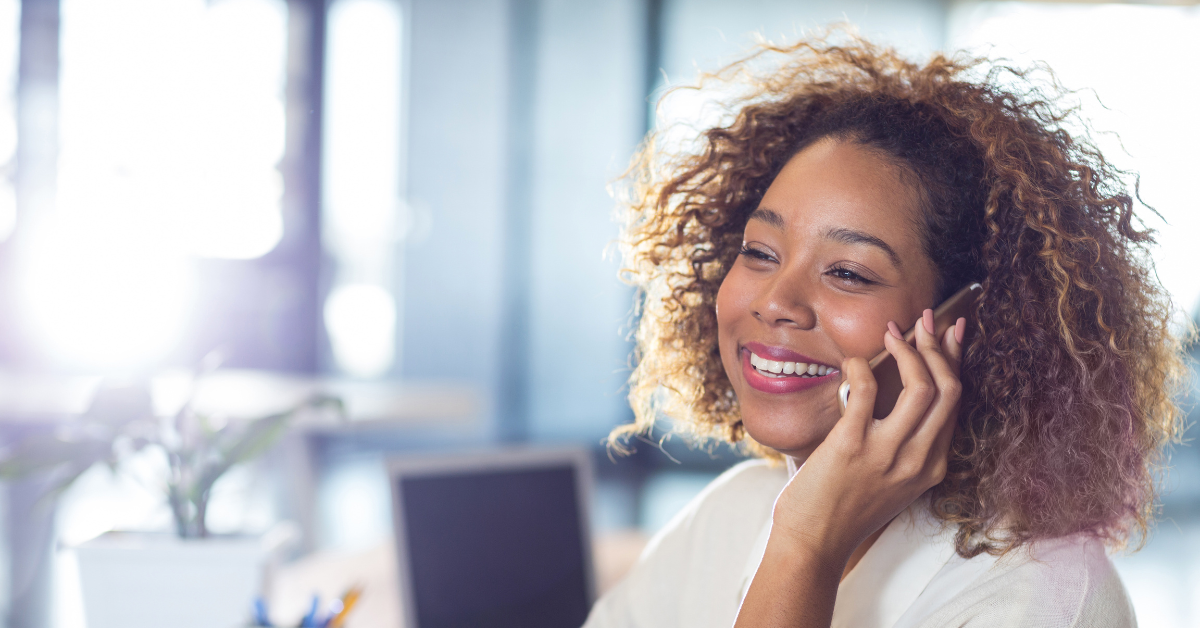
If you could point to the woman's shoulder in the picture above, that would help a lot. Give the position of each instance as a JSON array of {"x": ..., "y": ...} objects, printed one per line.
[
  {"x": 735, "y": 504},
  {"x": 691, "y": 571},
  {"x": 1074, "y": 577},
  {"x": 1069, "y": 581}
]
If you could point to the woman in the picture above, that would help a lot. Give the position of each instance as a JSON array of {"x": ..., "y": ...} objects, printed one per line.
[{"x": 849, "y": 192}]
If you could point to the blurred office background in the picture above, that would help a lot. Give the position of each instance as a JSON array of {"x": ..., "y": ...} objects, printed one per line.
[{"x": 406, "y": 202}]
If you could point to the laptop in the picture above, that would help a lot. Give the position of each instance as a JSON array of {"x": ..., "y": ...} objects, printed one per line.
[{"x": 494, "y": 538}]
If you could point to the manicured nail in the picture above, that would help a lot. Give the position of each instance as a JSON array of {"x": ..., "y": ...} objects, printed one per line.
[
  {"x": 927, "y": 316},
  {"x": 960, "y": 330},
  {"x": 894, "y": 329}
]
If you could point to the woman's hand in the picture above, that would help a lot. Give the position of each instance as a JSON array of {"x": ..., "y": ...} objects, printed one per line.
[
  {"x": 866, "y": 471},
  {"x": 861, "y": 476}
]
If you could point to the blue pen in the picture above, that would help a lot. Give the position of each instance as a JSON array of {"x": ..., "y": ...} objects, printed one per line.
[
  {"x": 261, "y": 618},
  {"x": 310, "y": 620}
]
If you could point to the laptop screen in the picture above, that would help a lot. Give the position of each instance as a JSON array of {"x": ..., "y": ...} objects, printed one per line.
[{"x": 495, "y": 547}]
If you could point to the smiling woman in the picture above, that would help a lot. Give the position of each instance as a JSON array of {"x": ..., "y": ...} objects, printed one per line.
[{"x": 849, "y": 192}]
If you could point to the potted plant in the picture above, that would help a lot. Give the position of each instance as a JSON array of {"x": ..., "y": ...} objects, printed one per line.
[{"x": 191, "y": 577}]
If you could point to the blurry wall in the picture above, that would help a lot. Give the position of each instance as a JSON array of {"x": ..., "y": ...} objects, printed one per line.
[
  {"x": 519, "y": 115},
  {"x": 457, "y": 150},
  {"x": 589, "y": 113}
]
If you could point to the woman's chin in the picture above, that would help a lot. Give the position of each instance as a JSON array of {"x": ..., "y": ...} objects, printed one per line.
[{"x": 788, "y": 433}]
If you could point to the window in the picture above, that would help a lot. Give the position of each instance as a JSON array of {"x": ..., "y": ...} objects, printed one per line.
[
  {"x": 10, "y": 25},
  {"x": 363, "y": 222},
  {"x": 171, "y": 122}
]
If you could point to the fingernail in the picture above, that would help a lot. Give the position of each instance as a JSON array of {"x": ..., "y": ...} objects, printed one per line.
[
  {"x": 927, "y": 316},
  {"x": 895, "y": 330},
  {"x": 960, "y": 330}
]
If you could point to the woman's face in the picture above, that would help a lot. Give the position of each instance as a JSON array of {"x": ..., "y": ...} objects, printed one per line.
[{"x": 833, "y": 253}]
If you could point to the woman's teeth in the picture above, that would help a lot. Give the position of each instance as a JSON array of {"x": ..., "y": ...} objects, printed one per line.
[{"x": 773, "y": 368}]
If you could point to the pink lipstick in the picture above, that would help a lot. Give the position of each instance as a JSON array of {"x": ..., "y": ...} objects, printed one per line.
[{"x": 780, "y": 370}]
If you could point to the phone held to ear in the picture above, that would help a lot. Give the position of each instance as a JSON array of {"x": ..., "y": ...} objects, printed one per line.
[{"x": 887, "y": 374}]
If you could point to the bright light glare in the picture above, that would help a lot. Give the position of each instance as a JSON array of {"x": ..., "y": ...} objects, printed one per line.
[
  {"x": 1141, "y": 61},
  {"x": 681, "y": 116},
  {"x": 102, "y": 292},
  {"x": 172, "y": 127},
  {"x": 361, "y": 320},
  {"x": 8, "y": 210},
  {"x": 10, "y": 24},
  {"x": 353, "y": 497},
  {"x": 176, "y": 106},
  {"x": 362, "y": 158},
  {"x": 361, "y": 228}
]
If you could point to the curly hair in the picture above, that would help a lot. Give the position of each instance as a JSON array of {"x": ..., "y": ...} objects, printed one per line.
[{"x": 1071, "y": 377}]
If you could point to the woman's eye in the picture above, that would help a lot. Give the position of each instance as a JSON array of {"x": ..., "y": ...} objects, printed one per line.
[
  {"x": 845, "y": 274},
  {"x": 756, "y": 254}
]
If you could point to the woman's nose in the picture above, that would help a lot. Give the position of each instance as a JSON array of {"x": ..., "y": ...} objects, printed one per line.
[{"x": 785, "y": 302}]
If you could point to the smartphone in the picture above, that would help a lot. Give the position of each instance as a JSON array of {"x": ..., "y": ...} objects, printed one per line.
[{"x": 887, "y": 373}]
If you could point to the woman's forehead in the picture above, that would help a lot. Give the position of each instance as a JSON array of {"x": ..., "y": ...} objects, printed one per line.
[{"x": 842, "y": 191}]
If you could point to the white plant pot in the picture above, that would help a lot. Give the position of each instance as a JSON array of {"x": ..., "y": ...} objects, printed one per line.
[{"x": 141, "y": 580}]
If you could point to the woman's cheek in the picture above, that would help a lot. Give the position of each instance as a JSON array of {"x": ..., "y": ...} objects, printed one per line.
[
  {"x": 725, "y": 340},
  {"x": 857, "y": 331},
  {"x": 734, "y": 317}
]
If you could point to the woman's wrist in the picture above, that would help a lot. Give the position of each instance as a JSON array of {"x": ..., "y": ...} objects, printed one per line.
[
  {"x": 805, "y": 556},
  {"x": 799, "y": 531},
  {"x": 795, "y": 585}
]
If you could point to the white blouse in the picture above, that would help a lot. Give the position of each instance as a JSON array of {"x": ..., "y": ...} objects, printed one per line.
[{"x": 695, "y": 572}]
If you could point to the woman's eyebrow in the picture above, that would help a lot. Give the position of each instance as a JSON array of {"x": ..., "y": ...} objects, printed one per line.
[
  {"x": 769, "y": 216},
  {"x": 851, "y": 236}
]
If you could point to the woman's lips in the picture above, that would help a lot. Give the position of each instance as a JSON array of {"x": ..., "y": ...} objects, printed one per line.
[
  {"x": 780, "y": 385},
  {"x": 777, "y": 353}
]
